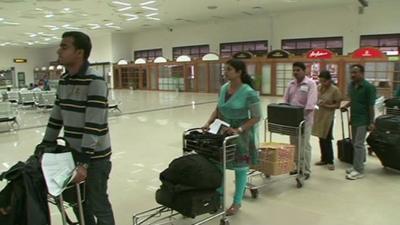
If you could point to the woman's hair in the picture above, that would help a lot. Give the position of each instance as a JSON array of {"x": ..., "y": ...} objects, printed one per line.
[
  {"x": 239, "y": 65},
  {"x": 325, "y": 74}
]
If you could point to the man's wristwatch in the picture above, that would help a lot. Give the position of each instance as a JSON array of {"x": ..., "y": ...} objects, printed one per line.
[
  {"x": 240, "y": 129},
  {"x": 84, "y": 165}
]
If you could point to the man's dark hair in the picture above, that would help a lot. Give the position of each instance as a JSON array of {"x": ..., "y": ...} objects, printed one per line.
[
  {"x": 81, "y": 41},
  {"x": 359, "y": 66},
  {"x": 325, "y": 74},
  {"x": 300, "y": 65}
]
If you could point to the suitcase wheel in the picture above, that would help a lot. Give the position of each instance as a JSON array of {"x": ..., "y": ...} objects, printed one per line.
[
  {"x": 254, "y": 193},
  {"x": 224, "y": 221}
]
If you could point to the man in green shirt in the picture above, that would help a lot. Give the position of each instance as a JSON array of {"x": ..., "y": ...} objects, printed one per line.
[{"x": 362, "y": 96}]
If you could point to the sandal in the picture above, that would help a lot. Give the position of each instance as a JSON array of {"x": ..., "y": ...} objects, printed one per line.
[{"x": 233, "y": 210}]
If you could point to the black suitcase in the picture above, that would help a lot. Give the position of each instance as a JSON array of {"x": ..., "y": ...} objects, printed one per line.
[
  {"x": 384, "y": 140},
  {"x": 345, "y": 150},
  {"x": 392, "y": 106},
  {"x": 189, "y": 203},
  {"x": 285, "y": 114}
]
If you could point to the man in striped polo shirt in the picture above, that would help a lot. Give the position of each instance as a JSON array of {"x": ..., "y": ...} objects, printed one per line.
[{"x": 81, "y": 108}]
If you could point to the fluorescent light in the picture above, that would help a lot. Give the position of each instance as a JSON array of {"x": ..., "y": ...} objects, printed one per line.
[
  {"x": 93, "y": 24},
  {"x": 49, "y": 26},
  {"x": 66, "y": 25},
  {"x": 54, "y": 28},
  {"x": 10, "y": 23},
  {"x": 33, "y": 35},
  {"x": 38, "y": 9},
  {"x": 152, "y": 14},
  {"x": 47, "y": 39},
  {"x": 1, "y": 19},
  {"x": 116, "y": 27},
  {"x": 153, "y": 18},
  {"x": 109, "y": 24},
  {"x": 149, "y": 8},
  {"x": 121, "y": 3},
  {"x": 132, "y": 18},
  {"x": 126, "y": 8},
  {"x": 147, "y": 3},
  {"x": 130, "y": 15},
  {"x": 67, "y": 9},
  {"x": 49, "y": 15}
]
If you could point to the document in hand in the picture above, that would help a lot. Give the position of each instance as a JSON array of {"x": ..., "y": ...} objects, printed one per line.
[
  {"x": 218, "y": 126},
  {"x": 58, "y": 170}
]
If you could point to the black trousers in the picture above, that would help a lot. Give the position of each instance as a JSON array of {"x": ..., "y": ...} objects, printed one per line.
[
  {"x": 325, "y": 145},
  {"x": 97, "y": 208}
]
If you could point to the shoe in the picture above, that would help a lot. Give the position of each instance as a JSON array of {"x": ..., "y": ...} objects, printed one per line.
[
  {"x": 349, "y": 170},
  {"x": 232, "y": 210},
  {"x": 320, "y": 163},
  {"x": 354, "y": 175},
  {"x": 293, "y": 172},
  {"x": 331, "y": 166},
  {"x": 307, "y": 176}
]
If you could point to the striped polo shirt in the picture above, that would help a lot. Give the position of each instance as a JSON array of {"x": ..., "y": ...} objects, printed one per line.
[{"x": 81, "y": 108}]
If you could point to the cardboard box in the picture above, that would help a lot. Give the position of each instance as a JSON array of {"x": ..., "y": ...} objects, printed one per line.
[
  {"x": 276, "y": 152},
  {"x": 274, "y": 168}
]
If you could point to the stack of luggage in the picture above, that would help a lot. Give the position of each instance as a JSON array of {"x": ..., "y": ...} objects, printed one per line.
[
  {"x": 385, "y": 138},
  {"x": 189, "y": 186}
]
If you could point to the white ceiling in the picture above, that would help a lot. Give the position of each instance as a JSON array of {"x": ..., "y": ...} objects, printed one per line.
[{"x": 40, "y": 23}]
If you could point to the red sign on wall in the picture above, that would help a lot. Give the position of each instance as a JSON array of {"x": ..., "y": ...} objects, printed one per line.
[
  {"x": 368, "y": 53},
  {"x": 320, "y": 53}
]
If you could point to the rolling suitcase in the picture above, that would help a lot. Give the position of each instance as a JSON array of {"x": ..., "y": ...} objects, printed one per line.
[
  {"x": 345, "y": 146},
  {"x": 189, "y": 203},
  {"x": 385, "y": 139}
]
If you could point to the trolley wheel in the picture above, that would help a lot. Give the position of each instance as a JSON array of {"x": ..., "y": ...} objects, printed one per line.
[
  {"x": 254, "y": 193},
  {"x": 224, "y": 221},
  {"x": 299, "y": 182}
]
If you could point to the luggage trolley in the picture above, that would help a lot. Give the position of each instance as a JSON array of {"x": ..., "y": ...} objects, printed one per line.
[
  {"x": 72, "y": 196},
  {"x": 164, "y": 215},
  {"x": 278, "y": 128}
]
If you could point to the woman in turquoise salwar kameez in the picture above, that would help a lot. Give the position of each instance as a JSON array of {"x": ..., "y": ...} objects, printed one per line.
[{"x": 239, "y": 105}]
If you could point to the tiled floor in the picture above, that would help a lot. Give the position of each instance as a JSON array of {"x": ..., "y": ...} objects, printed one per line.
[{"x": 148, "y": 135}]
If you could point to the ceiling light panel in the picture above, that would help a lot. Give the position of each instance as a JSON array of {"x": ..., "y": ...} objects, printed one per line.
[
  {"x": 147, "y": 3},
  {"x": 121, "y": 3},
  {"x": 149, "y": 8},
  {"x": 125, "y": 8}
]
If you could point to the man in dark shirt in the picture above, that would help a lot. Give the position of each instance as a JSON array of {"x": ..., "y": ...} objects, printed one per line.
[{"x": 362, "y": 95}]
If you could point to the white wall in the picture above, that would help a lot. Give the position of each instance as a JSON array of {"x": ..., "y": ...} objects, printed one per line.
[
  {"x": 121, "y": 47},
  {"x": 212, "y": 33},
  {"x": 35, "y": 56},
  {"x": 379, "y": 17},
  {"x": 101, "y": 49}
]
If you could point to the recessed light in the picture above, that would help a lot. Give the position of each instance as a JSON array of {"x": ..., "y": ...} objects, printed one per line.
[
  {"x": 121, "y": 3},
  {"x": 147, "y": 3},
  {"x": 149, "y": 8},
  {"x": 125, "y": 8},
  {"x": 211, "y": 7}
]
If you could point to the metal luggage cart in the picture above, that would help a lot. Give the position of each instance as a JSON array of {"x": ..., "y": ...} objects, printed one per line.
[
  {"x": 164, "y": 215},
  {"x": 72, "y": 196},
  {"x": 284, "y": 130}
]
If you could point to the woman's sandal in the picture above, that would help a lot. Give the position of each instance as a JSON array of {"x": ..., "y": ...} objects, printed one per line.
[{"x": 232, "y": 210}]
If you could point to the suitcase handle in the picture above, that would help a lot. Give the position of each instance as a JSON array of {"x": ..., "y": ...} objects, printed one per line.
[{"x": 348, "y": 125}]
